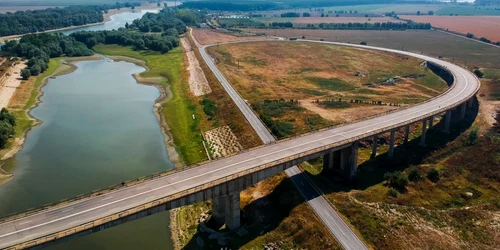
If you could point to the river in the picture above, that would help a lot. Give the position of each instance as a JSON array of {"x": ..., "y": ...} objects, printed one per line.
[{"x": 98, "y": 129}]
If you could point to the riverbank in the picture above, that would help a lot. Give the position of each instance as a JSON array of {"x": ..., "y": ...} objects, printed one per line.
[{"x": 26, "y": 97}]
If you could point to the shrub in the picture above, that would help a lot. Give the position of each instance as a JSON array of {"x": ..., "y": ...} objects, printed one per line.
[
  {"x": 414, "y": 174},
  {"x": 363, "y": 43},
  {"x": 479, "y": 73},
  {"x": 25, "y": 74},
  {"x": 433, "y": 175},
  {"x": 396, "y": 180},
  {"x": 473, "y": 136},
  {"x": 392, "y": 192}
]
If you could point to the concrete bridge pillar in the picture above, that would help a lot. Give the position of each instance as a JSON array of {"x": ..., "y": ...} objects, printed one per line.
[
  {"x": 463, "y": 108},
  {"x": 424, "y": 132},
  {"x": 391, "y": 144},
  {"x": 226, "y": 209},
  {"x": 431, "y": 122},
  {"x": 374, "y": 146},
  {"x": 470, "y": 102},
  {"x": 447, "y": 121},
  {"x": 407, "y": 133},
  {"x": 331, "y": 160},
  {"x": 218, "y": 206},
  {"x": 232, "y": 211}
]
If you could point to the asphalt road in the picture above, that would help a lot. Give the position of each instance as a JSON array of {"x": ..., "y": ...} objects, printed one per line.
[
  {"x": 325, "y": 212},
  {"x": 80, "y": 212}
]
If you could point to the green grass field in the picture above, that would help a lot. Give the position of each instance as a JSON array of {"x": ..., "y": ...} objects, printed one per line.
[
  {"x": 179, "y": 110},
  {"x": 470, "y": 10}
]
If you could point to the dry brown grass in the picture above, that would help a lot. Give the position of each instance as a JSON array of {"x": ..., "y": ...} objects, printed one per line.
[{"x": 308, "y": 72}]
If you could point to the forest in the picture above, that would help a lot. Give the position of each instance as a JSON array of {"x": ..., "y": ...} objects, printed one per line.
[
  {"x": 7, "y": 123},
  {"x": 24, "y": 22}
]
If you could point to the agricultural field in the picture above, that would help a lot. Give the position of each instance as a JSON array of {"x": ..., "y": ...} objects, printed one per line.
[
  {"x": 434, "y": 43},
  {"x": 299, "y": 87},
  {"x": 491, "y": 10},
  {"x": 480, "y": 26}
]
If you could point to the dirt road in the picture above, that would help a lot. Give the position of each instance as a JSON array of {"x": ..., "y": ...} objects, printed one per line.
[{"x": 9, "y": 84}]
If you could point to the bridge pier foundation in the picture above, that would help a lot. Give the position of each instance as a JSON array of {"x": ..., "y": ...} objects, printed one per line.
[
  {"x": 447, "y": 121},
  {"x": 374, "y": 146},
  {"x": 391, "y": 144},
  {"x": 424, "y": 133}
]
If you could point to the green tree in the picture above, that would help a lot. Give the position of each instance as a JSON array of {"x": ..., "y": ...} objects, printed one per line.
[
  {"x": 414, "y": 174},
  {"x": 396, "y": 180},
  {"x": 473, "y": 136},
  {"x": 479, "y": 73},
  {"x": 6, "y": 116},
  {"x": 25, "y": 74},
  {"x": 35, "y": 70},
  {"x": 433, "y": 175},
  {"x": 6, "y": 132}
]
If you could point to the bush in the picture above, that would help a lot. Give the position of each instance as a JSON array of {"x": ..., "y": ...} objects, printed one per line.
[
  {"x": 473, "y": 136},
  {"x": 433, "y": 175},
  {"x": 414, "y": 174},
  {"x": 363, "y": 43},
  {"x": 396, "y": 180},
  {"x": 25, "y": 74},
  {"x": 392, "y": 192},
  {"x": 479, "y": 73}
]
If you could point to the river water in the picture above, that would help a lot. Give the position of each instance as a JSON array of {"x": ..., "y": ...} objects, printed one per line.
[{"x": 98, "y": 129}]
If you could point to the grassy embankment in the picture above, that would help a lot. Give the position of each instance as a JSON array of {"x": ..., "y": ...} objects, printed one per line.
[
  {"x": 167, "y": 70},
  {"x": 281, "y": 79}
]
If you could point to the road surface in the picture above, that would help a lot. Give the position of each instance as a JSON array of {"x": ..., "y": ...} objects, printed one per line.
[{"x": 60, "y": 218}]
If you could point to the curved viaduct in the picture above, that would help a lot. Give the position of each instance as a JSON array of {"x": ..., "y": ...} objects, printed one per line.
[{"x": 222, "y": 180}]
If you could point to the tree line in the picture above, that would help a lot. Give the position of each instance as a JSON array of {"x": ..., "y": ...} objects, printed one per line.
[
  {"x": 24, "y": 22},
  {"x": 39, "y": 48},
  {"x": 7, "y": 123},
  {"x": 333, "y": 26}
]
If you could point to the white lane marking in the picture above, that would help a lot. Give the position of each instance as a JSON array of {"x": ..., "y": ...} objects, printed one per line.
[
  {"x": 67, "y": 210},
  {"x": 278, "y": 151},
  {"x": 107, "y": 198},
  {"x": 24, "y": 222}
]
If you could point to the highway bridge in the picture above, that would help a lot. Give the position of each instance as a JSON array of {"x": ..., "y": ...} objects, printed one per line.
[{"x": 222, "y": 180}]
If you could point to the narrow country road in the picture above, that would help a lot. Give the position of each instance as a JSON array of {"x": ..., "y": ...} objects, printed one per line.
[{"x": 324, "y": 211}]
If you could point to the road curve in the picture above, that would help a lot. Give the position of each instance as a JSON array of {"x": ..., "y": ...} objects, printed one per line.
[
  {"x": 312, "y": 195},
  {"x": 76, "y": 213}
]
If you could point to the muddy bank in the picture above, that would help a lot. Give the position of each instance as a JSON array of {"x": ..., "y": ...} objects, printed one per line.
[{"x": 14, "y": 146}]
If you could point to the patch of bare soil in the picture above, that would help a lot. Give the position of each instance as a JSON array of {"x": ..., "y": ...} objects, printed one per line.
[
  {"x": 9, "y": 83},
  {"x": 198, "y": 83},
  {"x": 222, "y": 142},
  {"x": 347, "y": 114}
]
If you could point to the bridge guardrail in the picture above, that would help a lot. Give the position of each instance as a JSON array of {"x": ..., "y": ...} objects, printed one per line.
[{"x": 158, "y": 175}]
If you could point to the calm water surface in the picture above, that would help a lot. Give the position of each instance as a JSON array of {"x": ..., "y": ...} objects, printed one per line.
[{"x": 98, "y": 129}]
